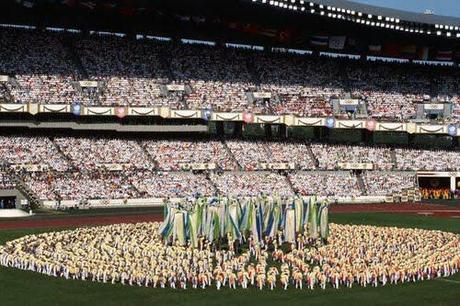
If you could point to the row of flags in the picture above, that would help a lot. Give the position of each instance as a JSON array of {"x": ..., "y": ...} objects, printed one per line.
[
  {"x": 400, "y": 50},
  {"x": 241, "y": 218}
]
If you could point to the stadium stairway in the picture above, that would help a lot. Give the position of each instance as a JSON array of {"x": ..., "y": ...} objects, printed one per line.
[
  {"x": 231, "y": 155},
  {"x": 312, "y": 156},
  {"x": 8, "y": 98},
  {"x": 75, "y": 58},
  {"x": 253, "y": 72},
  {"x": 213, "y": 183},
  {"x": 67, "y": 158},
  {"x": 149, "y": 156},
  {"x": 23, "y": 188},
  {"x": 361, "y": 185},
  {"x": 394, "y": 160},
  {"x": 288, "y": 181}
]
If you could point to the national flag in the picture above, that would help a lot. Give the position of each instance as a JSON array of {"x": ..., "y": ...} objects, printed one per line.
[
  {"x": 337, "y": 42},
  {"x": 444, "y": 55},
  {"x": 319, "y": 41},
  {"x": 268, "y": 32},
  {"x": 392, "y": 50},
  {"x": 375, "y": 48},
  {"x": 423, "y": 53},
  {"x": 409, "y": 49},
  {"x": 88, "y": 4}
]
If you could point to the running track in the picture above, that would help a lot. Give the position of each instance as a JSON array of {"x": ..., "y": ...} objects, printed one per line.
[{"x": 79, "y": 220}]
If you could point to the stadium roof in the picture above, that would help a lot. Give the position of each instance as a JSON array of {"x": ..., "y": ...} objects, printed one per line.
[{"x": 403, "y": 15}]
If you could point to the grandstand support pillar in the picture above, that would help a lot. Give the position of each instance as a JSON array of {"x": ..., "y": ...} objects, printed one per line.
[
  {"x": 238, "y": 129},
  {"x": 455, "y": 142},
  {"x": 220, "y": 128},
  {"x": 283, "y": 131},
  {"x": 410, "y": 139},
  {"x": 268, "y": 130},
  {"x": 367, "y": 137},
  {"x": 316, "y": 133},
  {"x": 323, "y": 133}
]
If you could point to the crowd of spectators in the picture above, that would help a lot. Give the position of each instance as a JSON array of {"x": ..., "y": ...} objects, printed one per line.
[
  {"x": 386, "y": 183},
  {"x": 330, "y": 156},
  {"x": 5, "y": 181},
  {"x": 330, "y": 184},
  {"x": 129, "y": 72},
  {"x": 173, "y": 155},
  {"x": 118, "y": 168},
  {"x": 219, "y": 77},
  {"x": 39, "y": 66},
  {"x": 390, "y": 90},
  {"x": 79, "y": 185},
  {"x": 90, "y": 153},
  {"x": 31, "y": 151},
  {"x": 46, "y": 67},
  {"x": 251, "y": 183},
  {"x": 171, "y": 184},
  {"x": 302, "y": 85},
  {"x": 437, "y": 160},
  {"x": 252, "y": 154}
]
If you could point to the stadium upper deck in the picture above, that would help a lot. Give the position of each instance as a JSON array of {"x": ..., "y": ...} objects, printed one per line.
[{"x": 60, "y": 68}]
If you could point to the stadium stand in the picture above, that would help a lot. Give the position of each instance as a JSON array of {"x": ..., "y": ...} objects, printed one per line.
[{"x": 49, "y": 70}]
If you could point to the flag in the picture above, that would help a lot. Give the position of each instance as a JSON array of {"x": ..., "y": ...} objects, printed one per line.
[
  {"x": 319, "y": 41},
  {"x": 375, "y": 48},
  {"x": 409, "y": 50},
  {"x": 337, "y": 42},
  {"x": 392, "y": 50},
  {"x": 423, "y": 53},
  {"x": 444, "y": 55},
  {"x": 88, "y": 4}
]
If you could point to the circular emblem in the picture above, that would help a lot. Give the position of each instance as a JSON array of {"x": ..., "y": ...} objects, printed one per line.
[
  {"x": 120, "y": 112},
  {"x": 330, "y": 122}
]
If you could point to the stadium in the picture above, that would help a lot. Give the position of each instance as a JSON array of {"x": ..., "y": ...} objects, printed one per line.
[{"x": 228, "y": 152}]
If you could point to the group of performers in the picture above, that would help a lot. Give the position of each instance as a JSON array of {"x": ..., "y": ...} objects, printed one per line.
[
  {"x": 234, "y": 219},
  {"x": 138, "y": 254}
]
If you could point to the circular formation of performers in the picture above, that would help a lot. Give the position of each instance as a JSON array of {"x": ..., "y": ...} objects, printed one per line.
[{"x": 136, "y": 254}]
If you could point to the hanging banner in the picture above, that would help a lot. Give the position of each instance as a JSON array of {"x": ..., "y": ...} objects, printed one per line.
[
  {"x": 92, "y": 84},
  {"x": 262, "y": 95},
  {"x": 355, "y": 166},
  {"x": 438, "y": 106},
  {"x": 348, "y": 102},
  {"x": 175, "y": 87}
]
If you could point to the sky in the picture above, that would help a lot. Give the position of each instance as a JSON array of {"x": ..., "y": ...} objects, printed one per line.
[{"x": 440, "y": 7}]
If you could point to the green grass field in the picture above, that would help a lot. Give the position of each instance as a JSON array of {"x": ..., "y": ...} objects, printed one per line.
[{"x": 28, "y": 288}]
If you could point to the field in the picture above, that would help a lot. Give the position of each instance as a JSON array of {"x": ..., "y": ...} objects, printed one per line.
[{"x": 28, "y": 288}]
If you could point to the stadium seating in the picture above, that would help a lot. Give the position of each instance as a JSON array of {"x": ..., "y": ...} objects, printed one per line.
[
  {"x": 118, "y": 168},
  {"x": 46, "y": 68}
]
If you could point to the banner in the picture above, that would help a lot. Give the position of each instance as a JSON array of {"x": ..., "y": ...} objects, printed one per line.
[
  {"x": 88, "y": 84},
  {"x": 348, "y": 102},
  {"x": 375, "y": 48},
  {"x": 4, "y": 78},
  {"x": 262, "y": 95},
  {"x": 433, "y": 106},
  {"x": 31, "y": 167},
  {"x": 337, "y": 42},
  {"x": 198, "y": 166},
  {"x": 113, "y": 167},
  {"x": 445, "y": 55},
  {"x": 277, "y": 166},
  {"x": 175, "y": 87},
  {"x": 355, "y": 166},
  {"x": 319, "y": 41}
]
